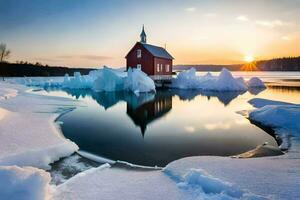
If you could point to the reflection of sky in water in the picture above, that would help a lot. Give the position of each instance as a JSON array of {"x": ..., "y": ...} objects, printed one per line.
[{"x": 157, "y": 129}]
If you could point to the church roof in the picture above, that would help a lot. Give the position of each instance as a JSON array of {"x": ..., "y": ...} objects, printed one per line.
[{"x": 157, "y": 51}]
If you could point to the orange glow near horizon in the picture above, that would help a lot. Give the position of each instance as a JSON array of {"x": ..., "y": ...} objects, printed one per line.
[
  {"x": 230, "y": 32},
  {"x": 250, "y": 66}
]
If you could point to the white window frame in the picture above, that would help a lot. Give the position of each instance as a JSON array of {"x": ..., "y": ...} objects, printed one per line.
[
  {"x": 139, "y": 53},
  {"x": 167, "y": 68},
  {"x": 139, "y": 66},
  {"x": 161, "y": 67},
  {"x": 157, "y": 67}
]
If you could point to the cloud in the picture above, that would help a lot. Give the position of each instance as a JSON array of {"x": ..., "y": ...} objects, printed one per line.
[
  {"x": 242, "y": 18},
  {"x": 190, "y": 9},
  {"x": 286, "y": 38},
  {"x": 210, "y": 15},
  {"x": 86, "y": 57},
  {"x": 271, "y": 24},
  {"x": 61, "y": 58}
]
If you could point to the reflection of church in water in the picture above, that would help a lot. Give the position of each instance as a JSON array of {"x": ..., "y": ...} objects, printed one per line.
[
  {"x": 150, "y": 111},
  {"x": 148, "y": 107}
]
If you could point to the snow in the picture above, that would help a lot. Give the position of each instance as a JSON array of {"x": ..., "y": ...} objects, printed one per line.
[
  {"x": 255, "y": 82},
  {"x": 113, "y": 183},
  {"x": 30, "y": 138},
  {"x": 269, "y": 177},
  {"x": 24, "y": 183},
  {"x": 224, "y": 82},
  {"x": 6, "y": 93},
  {"x": 28, "y": 135},
  {"x": 280, "y": 116}
]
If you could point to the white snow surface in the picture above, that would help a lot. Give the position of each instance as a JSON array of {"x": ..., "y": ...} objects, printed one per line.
[
  {"x": 224, "y": 82},
  {"x": 130, "y": 184},
  {"x": 24, "y": 183},
  {"x": 29, "y": 136},
  {"x": 109, "y": 184},
  {"x": 253, "y": 178}
]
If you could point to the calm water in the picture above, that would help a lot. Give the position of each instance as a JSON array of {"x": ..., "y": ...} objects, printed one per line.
[{"x": 155, "y": 129}]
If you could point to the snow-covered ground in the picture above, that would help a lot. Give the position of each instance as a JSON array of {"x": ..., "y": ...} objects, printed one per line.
[
  {"x": 28, "y": 135},
  {"x": 31, "y": 140},
  {"x": 18, "y": 183}
]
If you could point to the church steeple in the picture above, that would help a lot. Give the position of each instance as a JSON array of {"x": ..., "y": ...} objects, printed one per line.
[{"x": 143, "y": 36}]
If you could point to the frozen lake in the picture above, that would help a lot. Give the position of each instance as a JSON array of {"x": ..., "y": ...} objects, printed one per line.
[{"x": 153, "y": 130}]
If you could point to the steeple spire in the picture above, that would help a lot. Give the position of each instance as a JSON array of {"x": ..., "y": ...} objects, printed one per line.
[{"x": 143, "y": 36}]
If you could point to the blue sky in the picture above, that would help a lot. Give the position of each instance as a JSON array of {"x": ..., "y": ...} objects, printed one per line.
[{"x": 94, "y": 33}]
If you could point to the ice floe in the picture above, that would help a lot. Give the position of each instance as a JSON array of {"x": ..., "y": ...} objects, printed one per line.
[{"x": 280, "y": 116}]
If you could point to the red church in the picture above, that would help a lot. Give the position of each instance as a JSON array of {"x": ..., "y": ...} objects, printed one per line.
[{"x": 153, "y": 60}]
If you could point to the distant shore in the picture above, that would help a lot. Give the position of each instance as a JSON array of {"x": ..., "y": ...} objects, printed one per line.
[{"x": 24, "y": 69}]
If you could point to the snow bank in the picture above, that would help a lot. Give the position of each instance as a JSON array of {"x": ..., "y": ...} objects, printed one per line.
[
  {"x": 280, "y": 116},
  {"x": 209, "y": 177},
  {"x": 28, "y": 135},
  {"x": 24, "y": 183},
  {"x": 256, "y": 82},
  {"x": 224, "y": 82}
]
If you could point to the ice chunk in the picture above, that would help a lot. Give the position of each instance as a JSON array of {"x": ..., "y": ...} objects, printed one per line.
[
  {"x": 137, "y": 81},
  {"x": 256, "y": 82},
  {"x": 186, "y": 80},
  {"x": 109, "y": 80},
  {"x": 224, "y": 82},
  {"x": 24, "y": 183},
  {"x": 76, "y": 82}
]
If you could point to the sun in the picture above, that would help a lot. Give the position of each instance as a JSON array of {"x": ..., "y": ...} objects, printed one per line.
[{"x": 249, "y": 58}]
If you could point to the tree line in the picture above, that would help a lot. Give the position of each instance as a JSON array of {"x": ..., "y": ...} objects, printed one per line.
[
  {"x": 24, "y": 68},
  {"x": 279, "y": 64}
]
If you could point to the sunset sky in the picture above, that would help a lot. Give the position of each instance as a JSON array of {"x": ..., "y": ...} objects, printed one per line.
[{"x": 79, "y": 33}]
